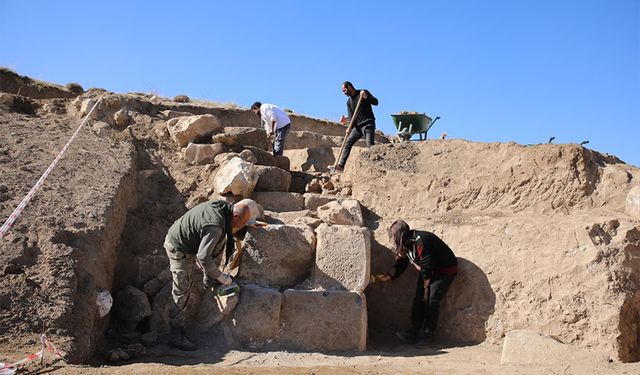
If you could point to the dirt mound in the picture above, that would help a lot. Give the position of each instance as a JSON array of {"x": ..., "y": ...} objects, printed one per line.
[
  {"x": 13, "y": 83},
  {"x": 541, "y": 230}
]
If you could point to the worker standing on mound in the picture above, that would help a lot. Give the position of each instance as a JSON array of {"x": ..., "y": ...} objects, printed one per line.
[
  {"x": 276, "y": 123},
  {"x": 199, "y": 236},
  {"x": 437, "y": 266},
  {"x": 364, "y": 122}
]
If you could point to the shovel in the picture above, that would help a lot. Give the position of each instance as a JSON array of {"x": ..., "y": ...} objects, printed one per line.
[{"x": 332, "y": 169}]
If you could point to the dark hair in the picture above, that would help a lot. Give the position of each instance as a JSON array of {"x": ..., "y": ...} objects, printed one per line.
[
  {"x": 256, "y": 105},
  {"x": 400, "y": 234},
  {"x": 348, "y": 84}
]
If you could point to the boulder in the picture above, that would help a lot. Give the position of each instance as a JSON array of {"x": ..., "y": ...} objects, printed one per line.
[
  {"x": 632, "y": 204},
  {"x": 256, "y": 320},
  {"x": 312, "y": 201},
  {"x": 346, "y": 212},
  {"x": 531, "y": 348},
  {"x": 343, "y": 257},
  {"x": 235, "y": 176},
  {"x": 278, "y": 255},
  {"x": 262, "y": 157},
  {"x": 283, "y": 162},
  {"x": 323, "y": 320},
  {"x": 242, "y": 136},
  {"x": 121, "y": 117},
  {"x": 169, "y": 114},
  {"x": 153, "y": 286},
  {"x": 191, "y": 128},
  {"x": 131, "y": 306},
  {"x": 196, "y": 153},
  {"x": 272, "y": 179},
  {"x": 86, "y": 107},
  {"x": 279, "y": 201}
]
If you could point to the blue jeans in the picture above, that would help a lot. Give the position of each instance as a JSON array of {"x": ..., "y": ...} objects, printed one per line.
[{"x": 278, "y": 142}]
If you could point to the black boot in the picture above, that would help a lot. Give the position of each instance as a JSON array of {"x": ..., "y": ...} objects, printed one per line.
[
  {"x": 179, "y": 340},
  {"x": 409, "y": 336},
  {"x": 426, "y": 340}
]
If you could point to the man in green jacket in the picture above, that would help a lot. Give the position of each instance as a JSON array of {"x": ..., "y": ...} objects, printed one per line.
[{"x": 199, "y": 236}]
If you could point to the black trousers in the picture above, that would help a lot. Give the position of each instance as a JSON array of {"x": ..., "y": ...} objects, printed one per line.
[
  {"x": 426, "y": 313},
  {"x": 357, "y": 132}
]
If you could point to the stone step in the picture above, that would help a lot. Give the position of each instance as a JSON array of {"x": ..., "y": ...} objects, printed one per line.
[
  {"x": 279, "y": 201},
  {"x": 272, "y": 179}
]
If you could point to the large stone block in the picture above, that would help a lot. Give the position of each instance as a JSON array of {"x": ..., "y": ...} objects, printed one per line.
[
  {"x": 279, "y": 201},
  {"x": 532, "y": 348},
  {"x": 196, "y": 153},
  {"x": 262, "y": 157},
  {"x": 235, "y": 176},
  {"x": 272, "y": 179},
  {"x": 343, "y": 257},
  {"x": 243, "y": 136},
  {"x": 190, "y": 128},
  {"x": 323, "y": 320},
  {"x": 313, "y": 200},
  {"x": 257, "y": 316},
  {"x": 346, "y": 212},
  {"x": 278, "y": 255}
]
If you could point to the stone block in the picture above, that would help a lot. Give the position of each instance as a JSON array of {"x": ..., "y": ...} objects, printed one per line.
[
  {"x": 531, "y": 348},
  {"x": 323, "y": 320},
  {"x": 242, "y": 136},
  {"x": 346, "y": 212},
  {"x": 262, "y": 157},
  {"x": 277, "y": 255},
  {"x": 343, "y": 257},
  {"x": 196, "y": 153},
  {"x": 272, "y": 179},
  {"x": 279, "y": 201},
  {"x": 256, "y": 319},
  {"x": 153, "y": 286},
  {"x": 283, "y": 162},
  {"x": 191, "y": 128},
  {"x": 312, "y": 200}
]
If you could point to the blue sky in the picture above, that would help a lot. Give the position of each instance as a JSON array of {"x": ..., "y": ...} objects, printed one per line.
[{"x": 518, "y": 71}]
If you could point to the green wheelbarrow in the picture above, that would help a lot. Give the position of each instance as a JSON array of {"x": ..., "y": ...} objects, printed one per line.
[{"x": 409, "y": 124}]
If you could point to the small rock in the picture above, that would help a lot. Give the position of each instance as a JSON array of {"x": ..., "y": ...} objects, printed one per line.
[
  {"x": 314, "y": 186},
  {"x": 122, "y": 117}
]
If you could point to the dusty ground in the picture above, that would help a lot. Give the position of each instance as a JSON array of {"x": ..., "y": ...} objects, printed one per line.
[{"x": 480, "y": 359}]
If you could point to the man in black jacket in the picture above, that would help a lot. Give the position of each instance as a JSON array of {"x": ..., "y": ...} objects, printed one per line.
[
  {"x": 363, "y": 124},
  {"x": 437, "y": 266}
]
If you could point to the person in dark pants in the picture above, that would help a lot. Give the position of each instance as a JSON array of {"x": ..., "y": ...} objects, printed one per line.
[
  {"x": 363, "y": 124},
  {"x": 437, "y": 266},
  {"x": 197, "y": 238}
]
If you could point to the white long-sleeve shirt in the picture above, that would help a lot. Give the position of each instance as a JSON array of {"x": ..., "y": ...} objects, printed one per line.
[{"x": 270, "y": 113}]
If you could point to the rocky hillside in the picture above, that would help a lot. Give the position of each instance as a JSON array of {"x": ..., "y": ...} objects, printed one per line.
[{"x": 548, "y": 236}]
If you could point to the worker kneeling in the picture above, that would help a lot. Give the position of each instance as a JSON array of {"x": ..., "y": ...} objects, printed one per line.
[
  {"x": 199, "y": 236},
  {"x": 437, "y": 266}
]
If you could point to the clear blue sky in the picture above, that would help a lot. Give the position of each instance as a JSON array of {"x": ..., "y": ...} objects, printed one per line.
[{"x": 507, "y": 70}]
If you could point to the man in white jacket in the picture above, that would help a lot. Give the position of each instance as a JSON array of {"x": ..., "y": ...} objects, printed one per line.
[{"x": 276, "y": 123}]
